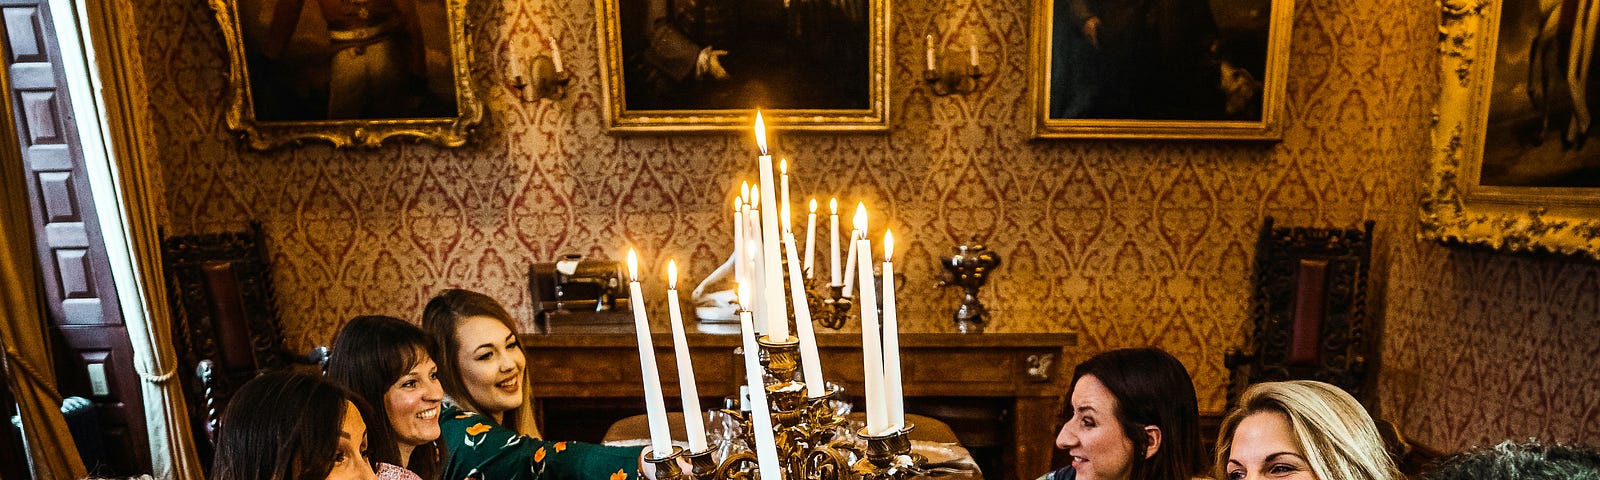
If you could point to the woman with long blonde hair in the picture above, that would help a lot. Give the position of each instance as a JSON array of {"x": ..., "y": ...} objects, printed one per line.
[{"x": 1301, "y": 430}]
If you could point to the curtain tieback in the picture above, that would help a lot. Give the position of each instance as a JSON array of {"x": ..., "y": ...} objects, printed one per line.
[
  {"x": 158, "y": 379},
  {"x": 47, "y": 384}
]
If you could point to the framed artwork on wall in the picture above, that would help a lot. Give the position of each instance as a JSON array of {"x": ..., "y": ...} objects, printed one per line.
[
  {"x": 1515, "y": 164},
  {"x": 1209, "y": 69},
  {"x": 347, "y": 72},
  {"x": 680, "y": 65}
]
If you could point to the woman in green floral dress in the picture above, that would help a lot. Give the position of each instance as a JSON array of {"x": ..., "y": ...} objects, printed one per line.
[{"x": 483, "y": 423}]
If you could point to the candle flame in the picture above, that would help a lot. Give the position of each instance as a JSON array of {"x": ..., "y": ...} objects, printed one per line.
[
  {"x": 888, "y": 245},
  {"x": 738, "y": 204},
  {"x": 813, "y": 205},
  {"x": 861, "y": 217},
  {"x": 744, "y": 191},
  {"x": 755, "y": 197},
  {"x": 672, "y": 274},
  {"x": 783, "y": 166},
  {"x": 833, "y": 205},
  {"x": 738, "y": 292},
  {"x": 633, "y": 265},
  {"x": 761, "y": 133}
]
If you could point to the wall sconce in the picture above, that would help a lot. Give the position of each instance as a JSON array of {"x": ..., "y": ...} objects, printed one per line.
[
  {"x": 950, "y": 81},
  {"x": 544, "y": 77}
]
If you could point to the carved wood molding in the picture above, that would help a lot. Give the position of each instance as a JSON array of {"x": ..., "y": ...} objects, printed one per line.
[{"x": 1455, "y": 209}]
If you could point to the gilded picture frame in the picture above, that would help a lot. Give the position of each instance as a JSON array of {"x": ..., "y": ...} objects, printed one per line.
[
  {"x": 348, "y": 73},
  {"x": 1510, "y": 168},
  {"x": 705, "y": 66},
  {"x": 1159, "y": 70}
]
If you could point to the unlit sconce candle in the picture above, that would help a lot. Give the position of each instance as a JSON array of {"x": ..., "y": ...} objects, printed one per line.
[
  {"x": 952, "y": 80},
  {"x": 544, "y": 76}
]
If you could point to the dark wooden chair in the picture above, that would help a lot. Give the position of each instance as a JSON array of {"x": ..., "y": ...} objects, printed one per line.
[
  {"x": 1309, "y": 319},
  {"x": 224, "y": 320},
  {"x": 1308, "y": 310}
]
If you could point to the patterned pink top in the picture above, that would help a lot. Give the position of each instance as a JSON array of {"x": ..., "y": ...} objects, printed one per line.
[{"x": 391, "y": 472}]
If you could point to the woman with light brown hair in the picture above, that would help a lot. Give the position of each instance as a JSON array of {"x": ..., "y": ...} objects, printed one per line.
[
  {"x": 1301, "y": 430},
  {"x": 485, "y": 424}
]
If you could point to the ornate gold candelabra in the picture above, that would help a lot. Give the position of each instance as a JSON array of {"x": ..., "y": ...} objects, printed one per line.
[
  {"x": 829, "y": 307},
  {"x": 806, "y": 431}
]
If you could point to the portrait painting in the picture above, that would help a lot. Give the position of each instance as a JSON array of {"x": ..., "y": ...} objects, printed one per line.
[
  {"x": 1160, "y": 68},
  {"x": 1516, "y": 164},
  {"x": 682, "y": 65},
  {"x": 350, "y": 72},
  {"x": 1543, "y": 101}
]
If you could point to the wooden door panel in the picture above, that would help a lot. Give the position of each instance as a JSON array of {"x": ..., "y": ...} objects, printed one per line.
[{"x": 81, "y": 304}]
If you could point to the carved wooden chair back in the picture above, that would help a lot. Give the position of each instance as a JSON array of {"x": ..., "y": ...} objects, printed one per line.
[
  {"x": 225, "y": 321},
  {"x": 1309, "y": 307}
]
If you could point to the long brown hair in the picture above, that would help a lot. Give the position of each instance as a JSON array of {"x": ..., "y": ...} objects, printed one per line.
[
  {"x": 284, "y": 426},
  {"x": 441, "y": 317},
  {"x": 370, "y": 354},
  {"x": 1152, "y": 389}
]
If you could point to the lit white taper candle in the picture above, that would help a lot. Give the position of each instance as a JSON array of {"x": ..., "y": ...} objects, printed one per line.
[
  {"x": 775, "y": 313},
  {"x": 871, "y": 342},
  {"x": 810, "y": 362},
  {"x": 811, "y": 240},
  {"x": 766, "y": 446},
  {"x": 833, "y": 241},
  {"x": 655, "y": 407},
  {"x": 740, "y": 267},
  {"x": 891, "y": 340},
  {"x": 693, "y": 423}
]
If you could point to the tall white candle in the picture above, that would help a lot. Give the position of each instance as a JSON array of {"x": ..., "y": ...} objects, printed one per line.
[
  {"x": 655, "y": 407},
  {"x": 555, "y": 55},
  {"x": 833, "y": 241},
  {"x": 810, "y": 362},
  {"x": 752, "y": 291},
  {"x": 772, "y": 308},
  {"x": 893, "y": 388},
  {"x": 930, "y": 52},
  {"x": 871, "y": 343},
  {"x": 811, "y": 240},
  {"x": 766, "y": 446},
  {"x": 850, "y": 265},
  {"x": 752, "y": 249},
  {"x": 739, "y": 265},
  {"x": 693, "y": 423}
]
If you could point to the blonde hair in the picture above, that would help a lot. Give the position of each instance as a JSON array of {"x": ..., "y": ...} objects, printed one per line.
[{"x": 1335, "y": 432}]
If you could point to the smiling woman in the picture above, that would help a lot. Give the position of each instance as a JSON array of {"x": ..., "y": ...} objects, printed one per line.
[
  {"x": 389, "y": 362},
  {"x": 482, "y": 370},
  {"x": 1133, "y": 416},
  {"x": 1302, "y": 430}
]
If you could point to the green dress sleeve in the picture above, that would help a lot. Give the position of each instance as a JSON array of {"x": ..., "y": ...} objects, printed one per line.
[{"x": 481, "y": 449}]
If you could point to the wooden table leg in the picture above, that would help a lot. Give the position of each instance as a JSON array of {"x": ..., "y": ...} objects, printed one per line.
[{"x": 1033, "y": 431}]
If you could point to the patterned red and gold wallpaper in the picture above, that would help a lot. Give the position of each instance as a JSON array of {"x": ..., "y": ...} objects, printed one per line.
[{"x": 1126, "y": 242}]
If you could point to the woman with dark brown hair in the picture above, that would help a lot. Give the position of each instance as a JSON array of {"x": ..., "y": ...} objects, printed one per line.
[
  {"x": 294, "y": 426},
  {"x": 1133, "y": 416},
  {"x": 481, "y": 366},
  {"x": 390, "y": 363}
]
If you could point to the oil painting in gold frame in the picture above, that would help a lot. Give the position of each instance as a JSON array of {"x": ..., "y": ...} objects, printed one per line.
[
  {"x": 1209, "y": 69},
  {"x": 1515, "y": 164},
  {"x": 680, "y": 66},
  {"x": 347, "y": 73}
]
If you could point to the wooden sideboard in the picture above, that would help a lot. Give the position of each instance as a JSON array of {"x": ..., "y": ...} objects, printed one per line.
[{"x": 1021, "y": 371}]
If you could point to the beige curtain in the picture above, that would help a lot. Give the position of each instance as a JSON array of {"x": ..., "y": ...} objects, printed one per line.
[
  {"x": 126, "y": 111},
  {"x": 27, "y": 358}
]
